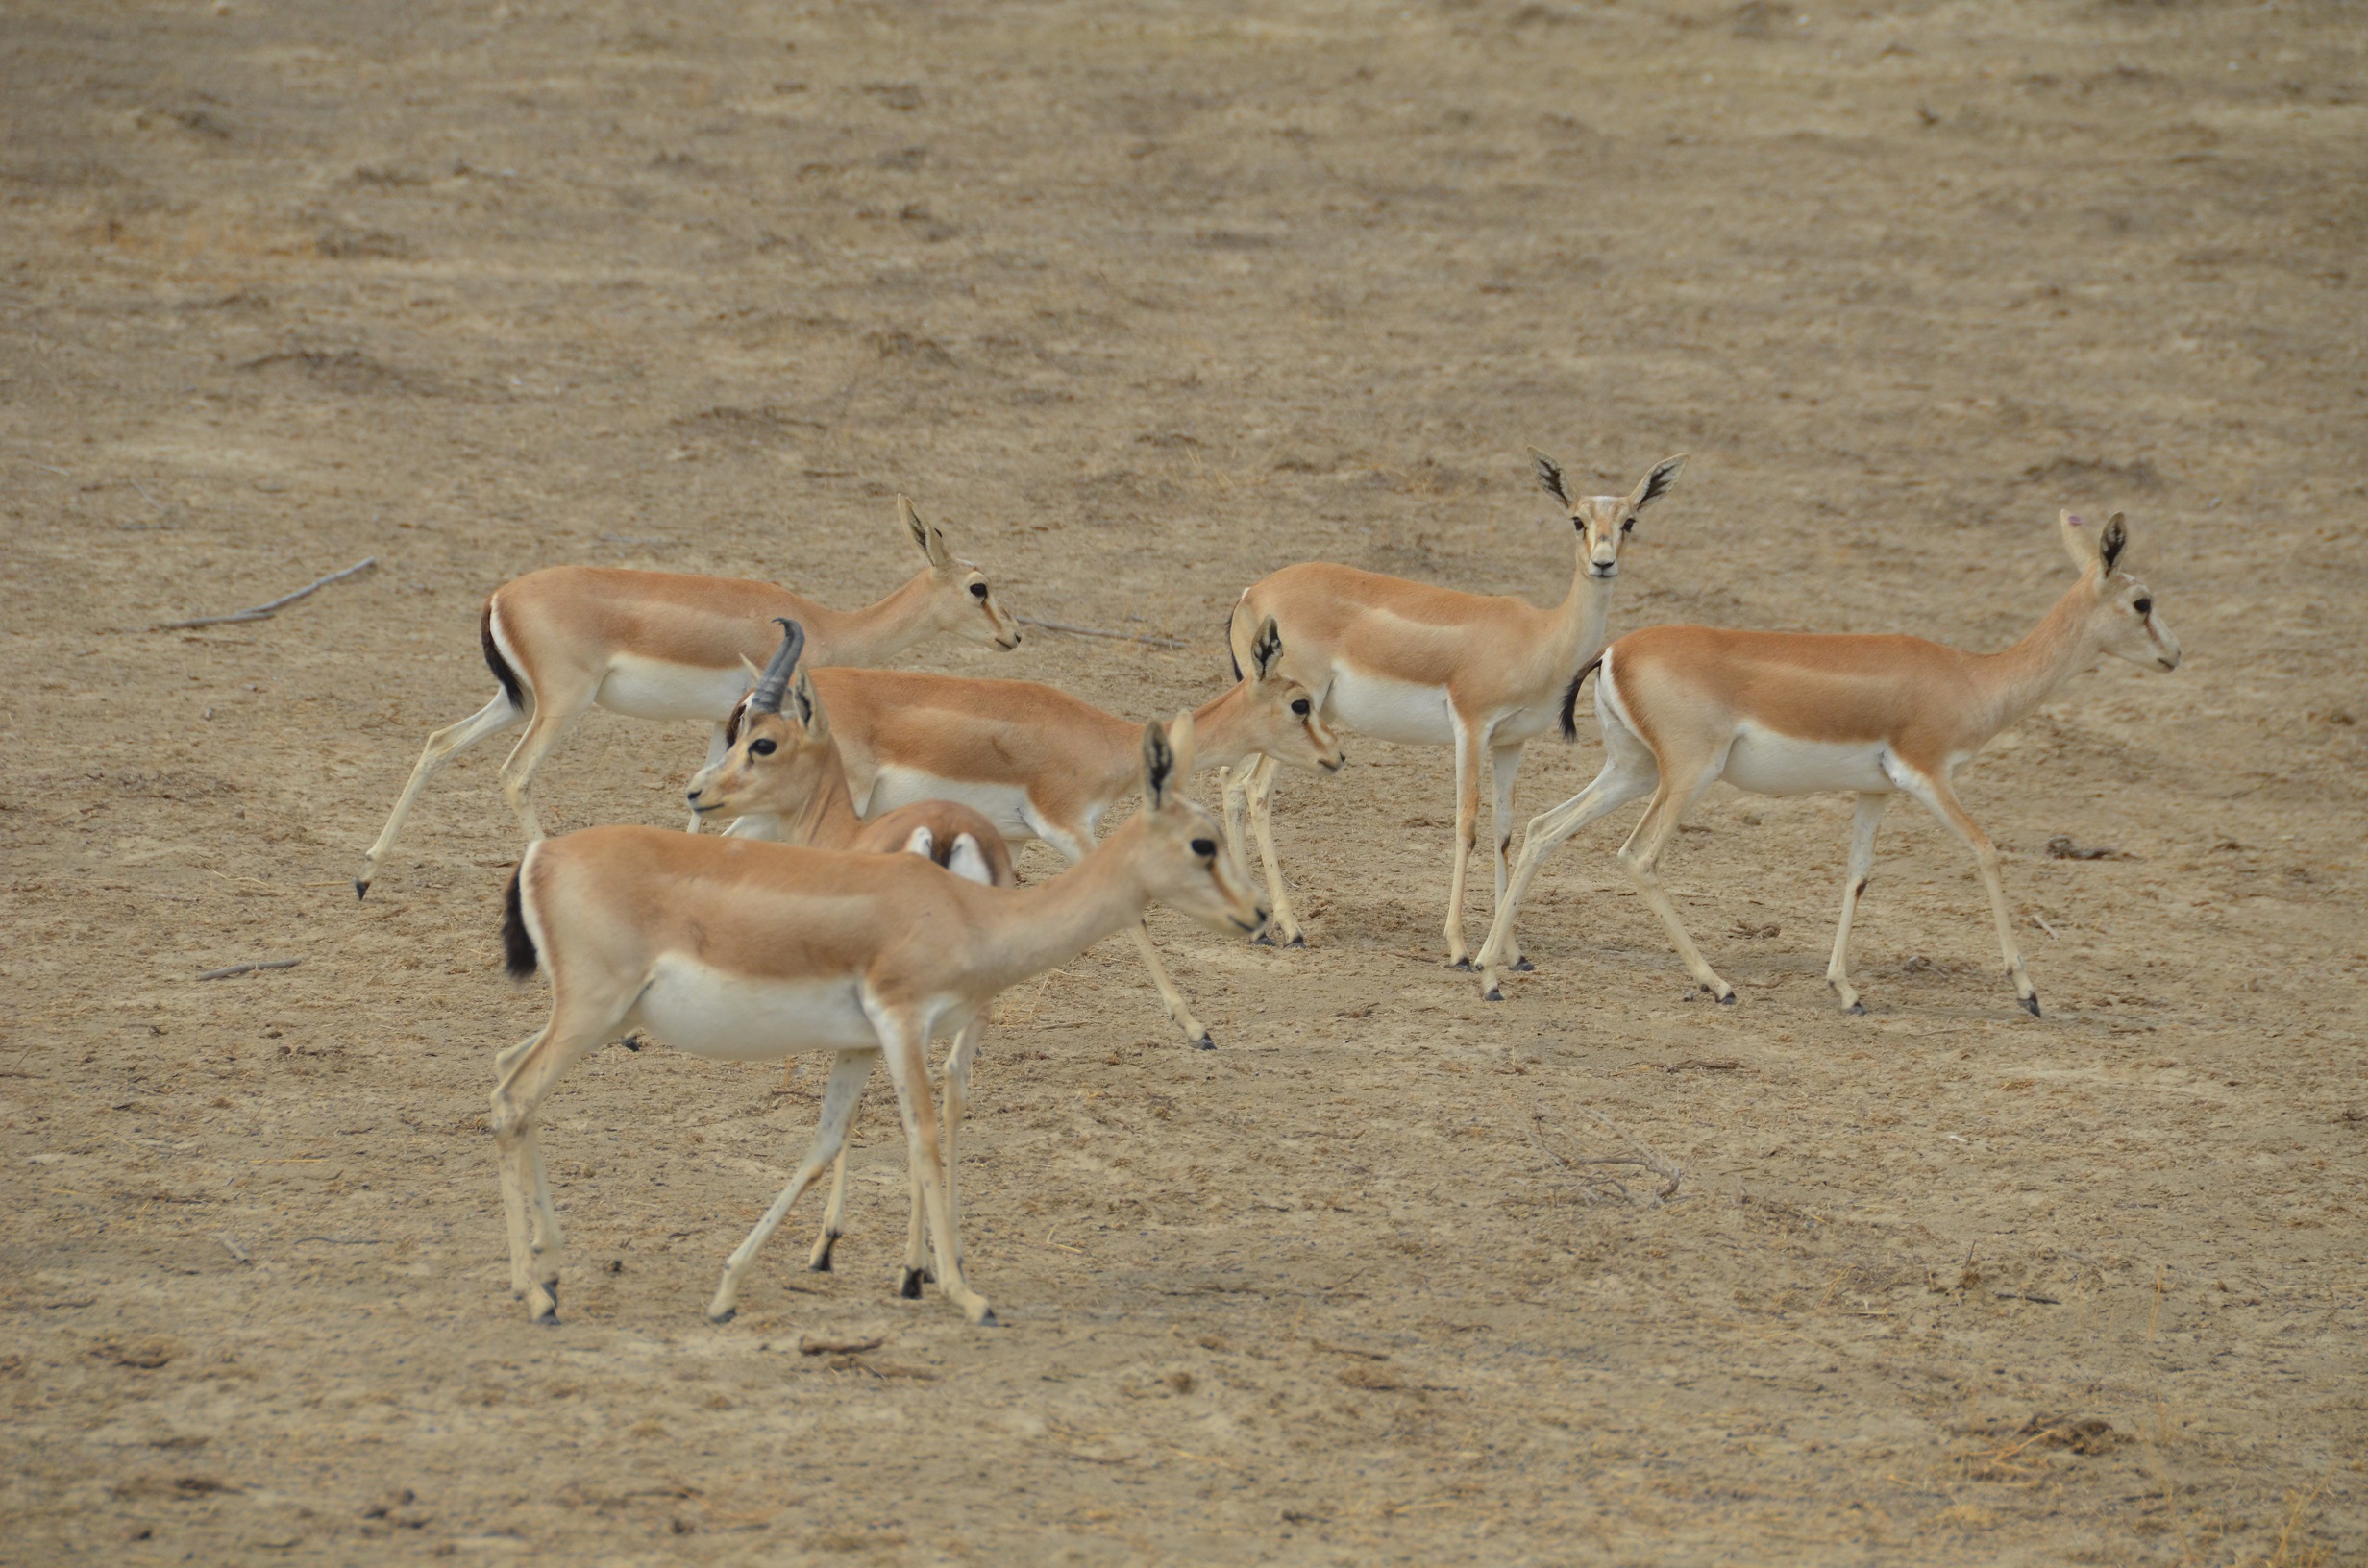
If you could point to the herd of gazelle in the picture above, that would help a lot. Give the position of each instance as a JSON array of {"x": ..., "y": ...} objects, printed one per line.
[{"x": 863, "y": 901}]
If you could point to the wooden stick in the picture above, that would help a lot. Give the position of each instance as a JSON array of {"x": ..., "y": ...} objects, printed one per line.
[
  {"x": 1097, "y": 631},
  {"x": 250, "y": 969},
  {"x": 275, "y": 606}
]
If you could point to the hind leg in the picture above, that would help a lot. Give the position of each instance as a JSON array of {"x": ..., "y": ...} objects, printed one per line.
[
  {"x": 1628, "y": 772},
  {"x": 1504, "y": 761},
  {"x": 1642, "y": 856},
  {"x": 555, "y": 710},
  {"x": 526, "y": 1072},
  {"x": 442, "y": 746},
  {"x": 848, "y": 1074}
]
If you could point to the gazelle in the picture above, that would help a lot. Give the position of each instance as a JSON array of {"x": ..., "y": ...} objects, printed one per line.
[
  {"x": 741, "y": 950},
  {"x": 1041, "y": 763},
  {"x": 1425, "y": 666},
  {"x": 782, "y": 779},
  {"x": 1778, "y": 713},
  {"x": 663, "y": 645}
]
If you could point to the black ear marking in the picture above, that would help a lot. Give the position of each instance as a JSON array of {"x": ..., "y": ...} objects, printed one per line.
[
  {"x": 1268, "y": 650},
  {"x": 2113, "y": 540},
  {"x": 1663, "y": 474},
  {"x": 732, "y": 722},
  {"x": 1158, "y": 763},
  {"x": 1549, "y": 475}
]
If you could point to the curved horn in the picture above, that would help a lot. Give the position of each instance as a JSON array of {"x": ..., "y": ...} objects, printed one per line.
[{"x": 773, "y": 683}]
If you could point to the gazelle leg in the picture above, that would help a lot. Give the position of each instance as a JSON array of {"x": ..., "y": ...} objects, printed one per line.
[
  {"x": 525, "y": 1074},
  {"x": 957, "y": 1105},
  {"x": 901, "y": 1041},
  {"x": 1284, "y": 923},
  {"x": 834, "y": 1215},
  {"x": 1942, "y": 802},
  {"x": 442, "y": 746},
  {"x": 1233, "y": 791},
  {"x": 1467, "y": 748},
  {"x": 555, "y": 711},
  {"x": 848, "y": 1074},
  {"x": 1641, "y": 855},
  {"x": 1627, "y": 772},
  {"x": 716, "y": 748},
  {"x": 1180, "y": 1011},
  {"x": 1504, "y": 761},
  {"x": 1862, "y": 824}
]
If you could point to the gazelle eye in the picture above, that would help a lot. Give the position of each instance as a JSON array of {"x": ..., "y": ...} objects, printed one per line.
[
  {"x": 2143, "y": 606},
  {"x": 1300, "y": 707},
  {"x": 1628, "y": 526},
  {"x": 978, "y": 590},
  {"x": 1205, "y": 848},
  {"x": 763, "y": 748}
]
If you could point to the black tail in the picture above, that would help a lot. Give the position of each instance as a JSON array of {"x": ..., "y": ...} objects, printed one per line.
[
  {"x": 1231, "y": 656},
  {"x": 517, "y": 942},
  {"x": 511, "y": 687},
  {"x": 1571, "y": 697}
]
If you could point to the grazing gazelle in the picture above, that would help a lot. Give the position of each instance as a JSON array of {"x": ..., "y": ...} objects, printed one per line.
[
  {"x": 745, "y": 952},
  {"x": 663, "y": 645},
  {"x": 1045, "y": 765},
  {"x": 782, "y": 779},
  {"x": 1425, "y": 666},
  {"x": 1789, "y": 713}
]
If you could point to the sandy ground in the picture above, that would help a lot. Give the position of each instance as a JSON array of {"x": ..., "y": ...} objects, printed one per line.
[{"x": 1144, "y": 303}]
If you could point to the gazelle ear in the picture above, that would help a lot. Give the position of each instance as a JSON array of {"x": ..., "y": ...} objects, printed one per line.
[
  {"x": 1180, "y": 744},
  {"x": 913, "y": 525},
  {"x": 750, "y": 665},
  {"x": 2079, "y": 541},
  {"x": 1657, "y": 483},
  {"x": 801, "y": 690},
  {"x": 1268, "y": 650},
  {"x": 2112, "y": 542},
  {"x": 1549, "y": 475},
  {"x": 1158, "y": 766}
]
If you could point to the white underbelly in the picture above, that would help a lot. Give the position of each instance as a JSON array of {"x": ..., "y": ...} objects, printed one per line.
[
  {"x": 1768, "y": 763},
  {"x": 728, "y": 1018},
  {"x": 1389, "y": 710},
  {"x": 642, "y": 688},
  {"x": 1005, "y": 805}
]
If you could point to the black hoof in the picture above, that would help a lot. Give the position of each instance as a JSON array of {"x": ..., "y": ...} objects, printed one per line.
[
  {"x": 548, "y": 1321},
  {"x": 1728, "y": 1000},
  {"x": 1204, "y": 1043},
  {"x": 2031, "y": 1005},
  {"x": 928, "y": 1276},
  {"x": 362, "y": 889},
  {"x": 822, "y": 1260},
  {"x": 909, "y": 1286},
  {"x": 1493, "y": 995},
  {"x": 724, "y": 1316},
  {"x": 1262, "y": 940},
  {"x": 1523, "y": 966},
  {"x": 1296, "y": 942},
  {"x": 1464, "y": 964},
  {"x": 988, "y": 1320},
  {"x": 632, "y": 1043},
  {"x": 1859, "y": 1007}
]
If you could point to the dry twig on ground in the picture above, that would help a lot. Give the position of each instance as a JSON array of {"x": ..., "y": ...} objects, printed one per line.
[
  {"x": 1600, "y": 1188},
  {"x": 262, "y": 611},
  {"x": 1097, "y": 631},
  {"x": 229, "y": 970}
]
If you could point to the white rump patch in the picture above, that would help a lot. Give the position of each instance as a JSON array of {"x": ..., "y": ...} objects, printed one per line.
[
  {"x": 968, "y": 860},
  {"x": 922, "y": 843}
]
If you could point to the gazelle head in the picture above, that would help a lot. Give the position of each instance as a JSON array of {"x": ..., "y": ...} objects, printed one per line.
[
  {"x": 2122, "y": 622},
  {"x": 1603, "y": 522},
  {"x": 1187, "y": 864},
  {"x": 965, "y": 603},
  {"x": 1281, "y": 714},
  {"x": 781, "y": 743}
]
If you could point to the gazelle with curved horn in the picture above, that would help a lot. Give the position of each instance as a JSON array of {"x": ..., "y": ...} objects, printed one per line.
[
  {"x": 1041, "y": 763},
  {"x": 782, "y": 779},
  {"x": 1781, "y": 713},
  {"x": 663, "y": 645},
  {"x": 741, "y": 950},
  {"x": 1427, "y": 666}
]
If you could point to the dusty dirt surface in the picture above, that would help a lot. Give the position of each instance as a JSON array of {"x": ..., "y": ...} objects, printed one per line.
[{"x": 1144, "y": 304}]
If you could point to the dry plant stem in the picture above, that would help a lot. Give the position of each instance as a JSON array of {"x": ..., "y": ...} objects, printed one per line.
[
  {"x": 249, "y": 969},
  {"x": 1642, "y": 1154},
  {"x": 1097, "y": 631},
  {"x": 262, "y": 611}
]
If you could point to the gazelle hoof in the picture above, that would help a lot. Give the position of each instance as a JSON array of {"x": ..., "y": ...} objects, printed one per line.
[
  {"x": 1464, "y": 964},
  {"x": 2031, "y": 1004},
  {"x": 1262, "y": 940},
  {"x": 1296, "y": 941},
  {"x": 1859, "y": 1009},
  {"x": 819, "y": 1263},
  {"x": 1204, "y": 1043},
  {"x": 1523, "y": 966},
  {"x": 361, "y": 886},
  {"x": 724, "y": 1316},
  {"x": 988, "y": 1320},
  {"x": 1727, "y": 1000},
  {"x": 909, "y": 1285},
  {"x": 1493, "y": 995}
]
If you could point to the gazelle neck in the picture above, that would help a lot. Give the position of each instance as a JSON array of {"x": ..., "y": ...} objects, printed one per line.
[
  {"x": 2020, "y": 678},
  {"x": 827, "y": 820},
  {"x": 1041, "y": 928},
  {"x": 875, "y": 633},
  {"x": 1584, "y": 616},
  {"x": 1218, "y": 730}
]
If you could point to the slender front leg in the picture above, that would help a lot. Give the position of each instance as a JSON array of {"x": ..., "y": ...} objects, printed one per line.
[
  {"x": 957, "y": 1105},
  {"x": 1625, "y": 776},
  {"x": 524, "y": 1074},
  {"x": 1233, "y": 791},
  {"x": 1942, "y": 802},
  {"x": 902, "y": 1037},
  {"x": 1641, "y": 855},
  {"x": 1862, "y": 824},
  {"x": 834, "y": 1215},
  {"x": 1504, "y": 761},
  {"x": 839, "y": 1100},
  {"x": 717, "y": 746},
  {"x": 1282, "y": 922},
  {"x": 1180, "y": 1011},
  {"x": 1469, "y": 746},
  {"x": 443, "y": 746}
]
